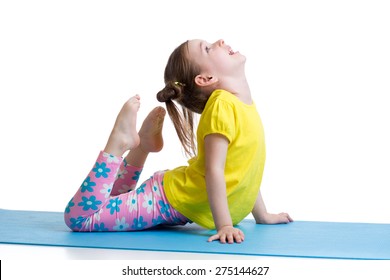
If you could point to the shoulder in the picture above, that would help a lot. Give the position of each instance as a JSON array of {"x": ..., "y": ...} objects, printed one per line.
[
  {"x": 220, "y": 97},
  {"x": 218, "y": 116},
  {"x": 223, "y": 95}
]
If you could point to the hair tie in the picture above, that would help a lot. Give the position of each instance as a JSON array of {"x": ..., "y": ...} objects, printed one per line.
[{"x": 180, "y": 84}]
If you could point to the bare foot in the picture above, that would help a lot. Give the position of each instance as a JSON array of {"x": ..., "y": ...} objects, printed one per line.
[
  {"x": 124, "y": 135},
  {"x": 151, "y": 131}
]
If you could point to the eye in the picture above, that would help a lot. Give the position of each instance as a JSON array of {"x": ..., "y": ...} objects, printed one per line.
[{"x": 207, "y": 49}]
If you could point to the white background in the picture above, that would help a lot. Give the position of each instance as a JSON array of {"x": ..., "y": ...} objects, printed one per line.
[{"x": 319, "y": 73}]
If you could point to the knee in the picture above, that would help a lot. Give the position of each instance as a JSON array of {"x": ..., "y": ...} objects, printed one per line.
[{"x": 73, "y": 222}]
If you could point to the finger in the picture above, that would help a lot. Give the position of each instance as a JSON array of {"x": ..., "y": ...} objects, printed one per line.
[
  {"x": 288, "y": 218},
  {"x": 242, "y": 235},
  {"x": 222, "y": 238},
  {"x": 214, "y": 237},
  {"x": 230, "y": 238},
  {"x": 237, "y": 237},
  {"x": 283, "y": 218}
]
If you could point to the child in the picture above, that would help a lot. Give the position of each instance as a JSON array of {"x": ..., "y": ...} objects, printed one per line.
[{"x": 220, "y": 185}]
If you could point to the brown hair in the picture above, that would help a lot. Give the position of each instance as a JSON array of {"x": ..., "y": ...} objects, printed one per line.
[{"x": 179, "y": 77}]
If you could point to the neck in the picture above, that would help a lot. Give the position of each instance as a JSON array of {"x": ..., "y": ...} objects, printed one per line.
[
  {"x": 244, "y": 94},
  {"x": 240, "y": 88}
]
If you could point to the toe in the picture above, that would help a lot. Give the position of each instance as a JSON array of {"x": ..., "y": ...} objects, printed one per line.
[{"x": 160, "y": 111}]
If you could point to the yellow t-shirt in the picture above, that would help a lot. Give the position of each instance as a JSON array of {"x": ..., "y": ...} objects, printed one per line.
[{"x": 185, "y": 186}]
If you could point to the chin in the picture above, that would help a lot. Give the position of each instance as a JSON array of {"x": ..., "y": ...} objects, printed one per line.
[{"x": 242, "y": 58}]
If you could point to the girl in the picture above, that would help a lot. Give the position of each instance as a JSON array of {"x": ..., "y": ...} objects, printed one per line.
[{"x": 220, "y": 185}]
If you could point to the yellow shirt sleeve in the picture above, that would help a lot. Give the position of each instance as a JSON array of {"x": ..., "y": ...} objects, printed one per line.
[{"x": 218, "y": 117}]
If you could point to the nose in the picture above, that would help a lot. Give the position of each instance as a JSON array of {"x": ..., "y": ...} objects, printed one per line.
[{"x": 219, "y": 43}]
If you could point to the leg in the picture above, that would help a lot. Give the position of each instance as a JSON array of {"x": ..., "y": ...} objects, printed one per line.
[
  {"x": 96, "y": 189},
  {"x": 143, "y": 208},
  {"x": 93, "y": 193},
  {"x": 151, "y": 141}
]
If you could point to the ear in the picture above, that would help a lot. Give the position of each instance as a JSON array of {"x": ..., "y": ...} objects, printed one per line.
[{"x": 205, "y": 80}]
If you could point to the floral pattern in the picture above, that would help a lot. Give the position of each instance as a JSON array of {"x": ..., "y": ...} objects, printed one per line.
[
  {"x": 108, "y": 200},
  {"x": 106, "y": 190},
  {"x": 122, "y": 174},
  {"x": 139, "y": 223},
  {"x": 89, "y": 203},
  {"x": 121, "y": 225},
  {"x": 111, "y": 158},
  {"x": 132, "y": 202},
  {"x": 114, "y": 205},
  {"x": 164, "y": 208},
  {"x": 136, "y": 176},
  {"x": 100, "y": 227},
  {"x": 148, "y": 202},
  {"x": 101, "y": 170},
  {"x": 87, "y": 185},
  {"x": 70, "y": 205},
  {"x": 77, "y": 222}
]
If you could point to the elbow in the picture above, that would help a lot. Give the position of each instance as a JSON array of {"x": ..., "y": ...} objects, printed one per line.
[{"x": 213, "y": 173}]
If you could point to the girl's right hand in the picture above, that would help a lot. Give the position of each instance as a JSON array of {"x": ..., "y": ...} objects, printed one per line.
[{"x": 228, "y": 234}]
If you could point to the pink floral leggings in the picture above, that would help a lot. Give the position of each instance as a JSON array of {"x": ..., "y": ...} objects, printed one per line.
[{"x": 108, "y": 200}]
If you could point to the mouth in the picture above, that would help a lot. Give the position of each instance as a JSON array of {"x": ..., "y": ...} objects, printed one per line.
[{"x": 231, "y": 52}]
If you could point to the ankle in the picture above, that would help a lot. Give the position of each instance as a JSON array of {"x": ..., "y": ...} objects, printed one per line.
[
  {"x": 117, "y": 145},
  {"x": 137, "y": 157}
]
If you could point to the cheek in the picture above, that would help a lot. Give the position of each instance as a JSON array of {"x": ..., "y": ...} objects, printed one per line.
[{"x": 218, "y": 60}]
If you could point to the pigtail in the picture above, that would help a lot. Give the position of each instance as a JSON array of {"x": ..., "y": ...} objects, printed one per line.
[{"x": 183, "y": 120}]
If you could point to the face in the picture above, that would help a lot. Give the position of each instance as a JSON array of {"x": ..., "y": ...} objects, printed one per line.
[{"x": 216, "y": 59}]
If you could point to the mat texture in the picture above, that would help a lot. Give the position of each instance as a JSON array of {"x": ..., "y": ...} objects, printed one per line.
[{"x": 297, "y": 239}]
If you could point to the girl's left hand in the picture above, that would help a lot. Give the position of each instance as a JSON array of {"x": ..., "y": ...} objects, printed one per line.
[{"x": 281, "y": 218}]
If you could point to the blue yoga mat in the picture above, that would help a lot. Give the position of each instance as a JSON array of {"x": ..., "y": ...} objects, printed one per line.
[{"x": 297, "y": 239}]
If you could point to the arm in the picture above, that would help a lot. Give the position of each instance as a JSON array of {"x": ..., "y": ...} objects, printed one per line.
[
  {"x": 215, "y": 157},
  {"x": 261, "y": 215}
]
